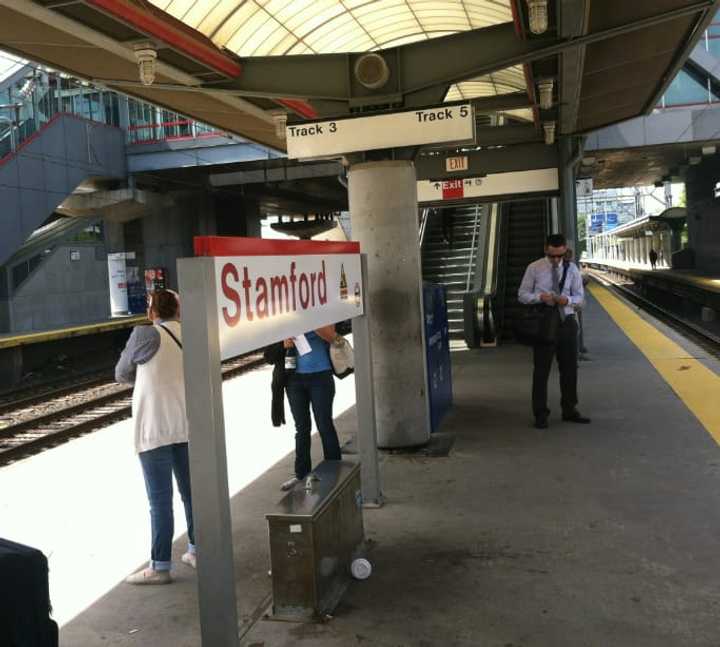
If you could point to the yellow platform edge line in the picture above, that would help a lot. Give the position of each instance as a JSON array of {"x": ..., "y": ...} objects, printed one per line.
[
  {"x": 73, "y": 331},
  {"x": 695, "y": 384}
]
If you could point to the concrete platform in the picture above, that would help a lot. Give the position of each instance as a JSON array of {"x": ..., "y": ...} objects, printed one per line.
[
  {"x": 708, "y": 282},
  {"x": 592, "y": 535}
]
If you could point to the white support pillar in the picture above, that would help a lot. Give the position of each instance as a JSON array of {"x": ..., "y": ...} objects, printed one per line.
[{"x": 383, "y": 211}]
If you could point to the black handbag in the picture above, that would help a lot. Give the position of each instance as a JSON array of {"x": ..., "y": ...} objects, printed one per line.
[{"x": 538, "y": 324}]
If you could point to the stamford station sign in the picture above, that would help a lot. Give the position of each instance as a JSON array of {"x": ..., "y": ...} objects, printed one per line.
[
  {"x": 441, "y": 125},
  {"x": 268, "y": 290}
]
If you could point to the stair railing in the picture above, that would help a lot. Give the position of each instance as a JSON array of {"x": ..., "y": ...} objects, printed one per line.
[
  {"x": 11, "y": 130},
  {"x": 471, "y": 265}
]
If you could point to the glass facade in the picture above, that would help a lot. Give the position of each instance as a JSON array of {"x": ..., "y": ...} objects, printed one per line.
[
  {"x": 148, "y": 124},
  {"x": 35, "y": 98},
  {"x": 690, "y": 87}
]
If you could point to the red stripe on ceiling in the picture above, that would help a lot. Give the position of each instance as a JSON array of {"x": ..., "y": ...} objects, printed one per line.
[
  {"x": 303, "y": 108},
  {"x": 231, "y": 246},
  {"x": 153, "y": 25},
  {"x": 516, "y": 19}
]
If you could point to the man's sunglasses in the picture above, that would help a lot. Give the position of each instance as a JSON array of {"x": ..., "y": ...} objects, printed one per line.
[{"x": 555, "y": 255}]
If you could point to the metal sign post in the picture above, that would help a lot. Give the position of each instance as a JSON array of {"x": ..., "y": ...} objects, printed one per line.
[
  {"x": 244, "y": 294},
  {"x": 208, "y": 458},
  {"x": 365, "y": 404}
]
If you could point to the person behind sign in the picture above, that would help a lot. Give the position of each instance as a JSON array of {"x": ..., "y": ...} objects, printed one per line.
[
  {"x": 310, "y": 385},
  {"x": 557, "y": 284},
  {"x": 153, "y": 362}
]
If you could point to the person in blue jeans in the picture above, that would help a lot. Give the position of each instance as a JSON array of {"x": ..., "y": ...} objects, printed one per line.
[
  {"x": 153, "y": 362},
  {"x": 311, "y": 385}
]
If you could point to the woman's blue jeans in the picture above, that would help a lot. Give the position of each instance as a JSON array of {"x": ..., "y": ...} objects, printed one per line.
[
  {"x": 158, "y": 467},
  {"x": 316, "y": 390}
]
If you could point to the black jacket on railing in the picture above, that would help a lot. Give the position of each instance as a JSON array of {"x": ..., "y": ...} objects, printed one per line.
[{"x": 275, "y": 355}]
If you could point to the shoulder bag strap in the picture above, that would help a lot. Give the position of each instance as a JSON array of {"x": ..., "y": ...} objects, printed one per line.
[
  {"x": 169, "y": 332},
  {"x": 564, "y": 276}
]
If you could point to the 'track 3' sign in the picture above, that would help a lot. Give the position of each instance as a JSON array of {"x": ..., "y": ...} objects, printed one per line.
[
  {"x": 269, "y": 290},
  {"x": 432, "y": 126}
]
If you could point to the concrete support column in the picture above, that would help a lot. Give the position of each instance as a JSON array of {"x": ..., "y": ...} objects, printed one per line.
[
  {"x": 667, "y": 248},
  {"x": 383, "y": 212},
  {"x": 676, "y": 241}
]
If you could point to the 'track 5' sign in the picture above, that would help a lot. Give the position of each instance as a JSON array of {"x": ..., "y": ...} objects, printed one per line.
[
  {"x": 269, "y": 290},
  {"x": 442, "y": 124}
]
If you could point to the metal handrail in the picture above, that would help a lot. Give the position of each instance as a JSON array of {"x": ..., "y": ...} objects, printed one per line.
[
  {"x": 424, "y": 215},
  {"x": 493, "y": 257},
  {"x": 472, "y": 248},
  {"x": 11, "y": 130}
]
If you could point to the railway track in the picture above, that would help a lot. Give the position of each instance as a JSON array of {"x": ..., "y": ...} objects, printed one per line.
[
  {"x": 28, "y": 397},
  {"x": 77, "y": 411},
  {"x": 707, "y": 340}
]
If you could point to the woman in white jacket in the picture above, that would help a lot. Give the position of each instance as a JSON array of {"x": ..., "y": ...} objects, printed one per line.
[{"x": 152, "y": 360}]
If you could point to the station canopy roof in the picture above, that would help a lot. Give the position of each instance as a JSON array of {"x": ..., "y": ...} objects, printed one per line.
[
  {"x": 235, "y": 63},
  {"x": 296, "y": 27}
]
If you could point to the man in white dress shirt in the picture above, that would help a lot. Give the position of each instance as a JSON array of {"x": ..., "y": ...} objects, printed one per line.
[{"x": 557, "y": 284}]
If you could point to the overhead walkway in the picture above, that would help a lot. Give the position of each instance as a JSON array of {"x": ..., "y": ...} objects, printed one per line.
[{"x": 596, "y": 535}]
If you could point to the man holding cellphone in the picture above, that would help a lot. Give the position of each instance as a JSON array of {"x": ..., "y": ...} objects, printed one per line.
[{"x": 557, "y": 284}]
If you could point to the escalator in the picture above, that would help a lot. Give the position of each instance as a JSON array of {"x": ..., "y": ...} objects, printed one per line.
[{"x": 523, "y": 227}]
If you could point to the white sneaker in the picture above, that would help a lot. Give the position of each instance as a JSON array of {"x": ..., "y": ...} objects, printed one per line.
[
  {"x": 288, "y": 485},
  {"x": 190, "y": 559},
  {"x": 149, "y": 576}
]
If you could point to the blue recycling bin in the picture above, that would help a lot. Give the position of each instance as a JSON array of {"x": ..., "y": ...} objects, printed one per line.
[{"x": 437, "y": 352}]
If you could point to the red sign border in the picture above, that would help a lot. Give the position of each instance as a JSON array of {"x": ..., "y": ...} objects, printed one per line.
[{"x": 238, "y": 246}]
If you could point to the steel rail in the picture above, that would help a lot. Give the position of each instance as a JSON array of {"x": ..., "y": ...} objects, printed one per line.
[{"x": 30, "y": 436}]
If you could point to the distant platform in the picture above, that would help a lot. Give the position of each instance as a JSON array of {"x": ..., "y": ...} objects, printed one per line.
[
  {"x": 663, "y": 283},
  {"x": 13, "y": 340}
]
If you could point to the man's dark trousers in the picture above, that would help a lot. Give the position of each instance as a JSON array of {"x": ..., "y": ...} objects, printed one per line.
[{"x": 565, "y": 349}]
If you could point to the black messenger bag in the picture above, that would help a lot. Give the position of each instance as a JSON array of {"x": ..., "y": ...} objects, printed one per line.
[
  {"x": 538, "y": 324},
  {"x": 25, "y": 598}
]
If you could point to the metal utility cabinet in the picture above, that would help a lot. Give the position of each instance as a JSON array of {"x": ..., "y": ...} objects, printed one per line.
[{"x": 314, "y": 536}]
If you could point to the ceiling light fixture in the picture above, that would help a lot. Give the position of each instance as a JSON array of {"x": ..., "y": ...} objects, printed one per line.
[
  {"x": 280, "y": 120},
  {"x": 545, "y": 88},
  {"x": 538, "y": 16},
  {"x": 549, "y": 128},
  {"x": 146, "y": 56}
]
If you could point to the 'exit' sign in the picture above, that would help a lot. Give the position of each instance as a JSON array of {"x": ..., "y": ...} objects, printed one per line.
[{"x": 456, "y": 163}]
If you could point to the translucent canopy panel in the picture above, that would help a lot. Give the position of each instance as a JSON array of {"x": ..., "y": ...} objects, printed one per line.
[
  {"x": 505, "y": 81},
  {"x": 10, "y": 64},
  {"x": 286, "y": 27}
]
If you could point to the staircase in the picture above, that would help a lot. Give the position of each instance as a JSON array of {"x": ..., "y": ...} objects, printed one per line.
[
  {"x": 45, "y": 169},
  {"x": 452, "y": 265},
  {"x": 522, "y": 238}
]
